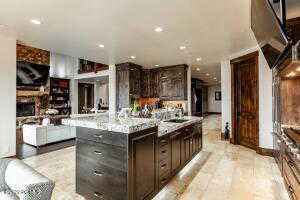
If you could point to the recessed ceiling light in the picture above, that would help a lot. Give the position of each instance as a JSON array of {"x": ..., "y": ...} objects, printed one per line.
[
  {"x": 207, "y": 74},
  {"x": 132, "y": 57},
  {"x": 101, "y": 45},
  {"x": 36, "y": 22},
  {"x": 198, "y": 59},
  {"x": 158, "y": 29},
  {"x": 182, "y": 47},
  {"x": 156, "y": 65},
  {"x": 198, "y": 69}
]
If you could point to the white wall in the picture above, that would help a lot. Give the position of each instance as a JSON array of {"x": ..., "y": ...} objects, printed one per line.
[
  {"x": 62, "y": 66},
  {"x": 213, "y": 105},
  {"x": 112, "y": 89},
  {"x": 265, "y": 97},
  {"x": 189, "y": 90},
  {"x": 8, "y": 96}
]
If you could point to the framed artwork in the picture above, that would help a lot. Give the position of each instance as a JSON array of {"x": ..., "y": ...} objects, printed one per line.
[{"x": 218, "y": 96}]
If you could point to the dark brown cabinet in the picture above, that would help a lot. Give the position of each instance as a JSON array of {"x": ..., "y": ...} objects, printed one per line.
[
  {"x": 175, "y": 152},
  {"x": 166, "y": 83},
  {"x": 113, "y": 165},
  {"x": 173, "y": 83},
  {"x": 154, "y": 83},
  {"x": 142, "y": 169},
  {"x": 128, "y": 87},
  {"x": 136, "y": 166},
  {"x": 176, "y": 149},
  {"x": 165, "y": 91}
]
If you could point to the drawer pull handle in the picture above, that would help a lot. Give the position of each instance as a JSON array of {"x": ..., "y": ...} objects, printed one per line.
[
  {"x": 163, "y": 142},
  {"x": 291, "y": 189},
  {"x": 98, "y": 136},
  {"x": 291, "y": 164},
  {"x": 164, "y": 180},
  {"x": 97, "y": 194},
  {"x": 98, "y": 173},
  {"x": 98, "y": 153},
  {"x": 163, "y": 166}
]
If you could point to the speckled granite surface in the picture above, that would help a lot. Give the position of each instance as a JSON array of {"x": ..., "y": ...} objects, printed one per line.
[
  {"x": 168, "y": 127},
  {"x": 112, "y": 123},
  {"x": 296, "y": 127},
  {"x": 129, "y": 125}
]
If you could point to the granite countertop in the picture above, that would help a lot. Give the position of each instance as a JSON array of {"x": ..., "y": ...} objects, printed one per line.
[
  {"x": 168, "y": 127},
  {"x": 128, "y": 125},
  {"x": 112, "y": 123},
  {"x": 296, "y": 127}
]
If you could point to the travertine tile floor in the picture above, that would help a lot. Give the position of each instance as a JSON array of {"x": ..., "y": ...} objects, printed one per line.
[{"x": 221, "y": 172}]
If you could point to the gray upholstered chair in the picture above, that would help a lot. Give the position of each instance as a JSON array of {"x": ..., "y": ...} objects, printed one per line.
[{"x": 18, "y": 181}]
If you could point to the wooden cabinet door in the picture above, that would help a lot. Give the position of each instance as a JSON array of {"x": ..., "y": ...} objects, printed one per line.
[
  {"x": 122, "y": 88},
  {"x": 145, "y": 83},
  {"x": 142, "y": 166},
  {"x": 135, "y": 82},
  {"x": 175, "y": 152},
  {"x": 185, "y": 147},
  {"x": 154, "y": 83},
  {"x": 177, "y": 89},
  {"x": 165, "y": 85}
]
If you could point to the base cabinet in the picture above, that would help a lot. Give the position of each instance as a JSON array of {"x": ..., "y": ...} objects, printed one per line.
[
  {"x": 288, "y": 163},
  {"x": 184, "y": 145},
  {"x": 114, "y": 166}
]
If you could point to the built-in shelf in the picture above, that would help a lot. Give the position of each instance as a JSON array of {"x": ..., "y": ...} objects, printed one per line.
[
  {"x": 59, "y": 98},
  {"x": 86, "y": 66}
]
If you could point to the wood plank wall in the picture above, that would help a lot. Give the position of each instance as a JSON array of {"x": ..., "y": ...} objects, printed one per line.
[{"x": 290, "y": 101}]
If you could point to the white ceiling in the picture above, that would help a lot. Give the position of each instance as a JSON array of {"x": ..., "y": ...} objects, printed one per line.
[{"x": 210, "y": 29}]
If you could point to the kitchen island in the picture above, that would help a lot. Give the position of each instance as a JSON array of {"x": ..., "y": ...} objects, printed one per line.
[{"x": 133, "y": 158}]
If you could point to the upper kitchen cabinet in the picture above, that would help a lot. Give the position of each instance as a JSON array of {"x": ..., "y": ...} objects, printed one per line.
[
  {"x": 145, "y": 83},
  {"x": 128, "y": 87},
  {"x": 173, "y": 82}
]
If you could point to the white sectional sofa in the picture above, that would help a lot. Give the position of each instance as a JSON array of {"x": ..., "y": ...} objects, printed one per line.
[{"x": 38, "y": 135}]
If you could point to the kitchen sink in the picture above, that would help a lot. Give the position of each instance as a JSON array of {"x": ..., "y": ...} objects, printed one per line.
[{"x": 177, "y": 120}]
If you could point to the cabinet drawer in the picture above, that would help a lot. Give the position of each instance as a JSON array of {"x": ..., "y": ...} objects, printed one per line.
[
  {"x": 104, "y": 180},
  {"x": 106, "y": 137},
  {"x": 98, "y": 154},
  {"x": 164, "y": 166},
  {"x": 163, "y": 179},
  {"x": 103, "y": 187},
  {"x": 163, "y": 152},
  {"x": 291, "y": 178}
]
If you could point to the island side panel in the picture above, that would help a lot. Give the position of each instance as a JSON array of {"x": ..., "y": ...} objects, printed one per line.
[{"x": 142, "y": 164}]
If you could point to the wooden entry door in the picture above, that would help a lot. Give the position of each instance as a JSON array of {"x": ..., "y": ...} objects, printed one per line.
[{"x": 246, "y": 105}]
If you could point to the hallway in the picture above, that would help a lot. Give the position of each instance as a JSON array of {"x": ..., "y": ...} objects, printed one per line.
[{"x": 220, "y": 172}]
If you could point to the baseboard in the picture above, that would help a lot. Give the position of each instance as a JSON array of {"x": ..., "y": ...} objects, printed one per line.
[{"x": 265, "y": 152}]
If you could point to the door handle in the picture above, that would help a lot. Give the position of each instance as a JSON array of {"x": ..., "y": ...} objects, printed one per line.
[
  {"x": 98, "y": 173},
  {"x": 98, "y": 153}
]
